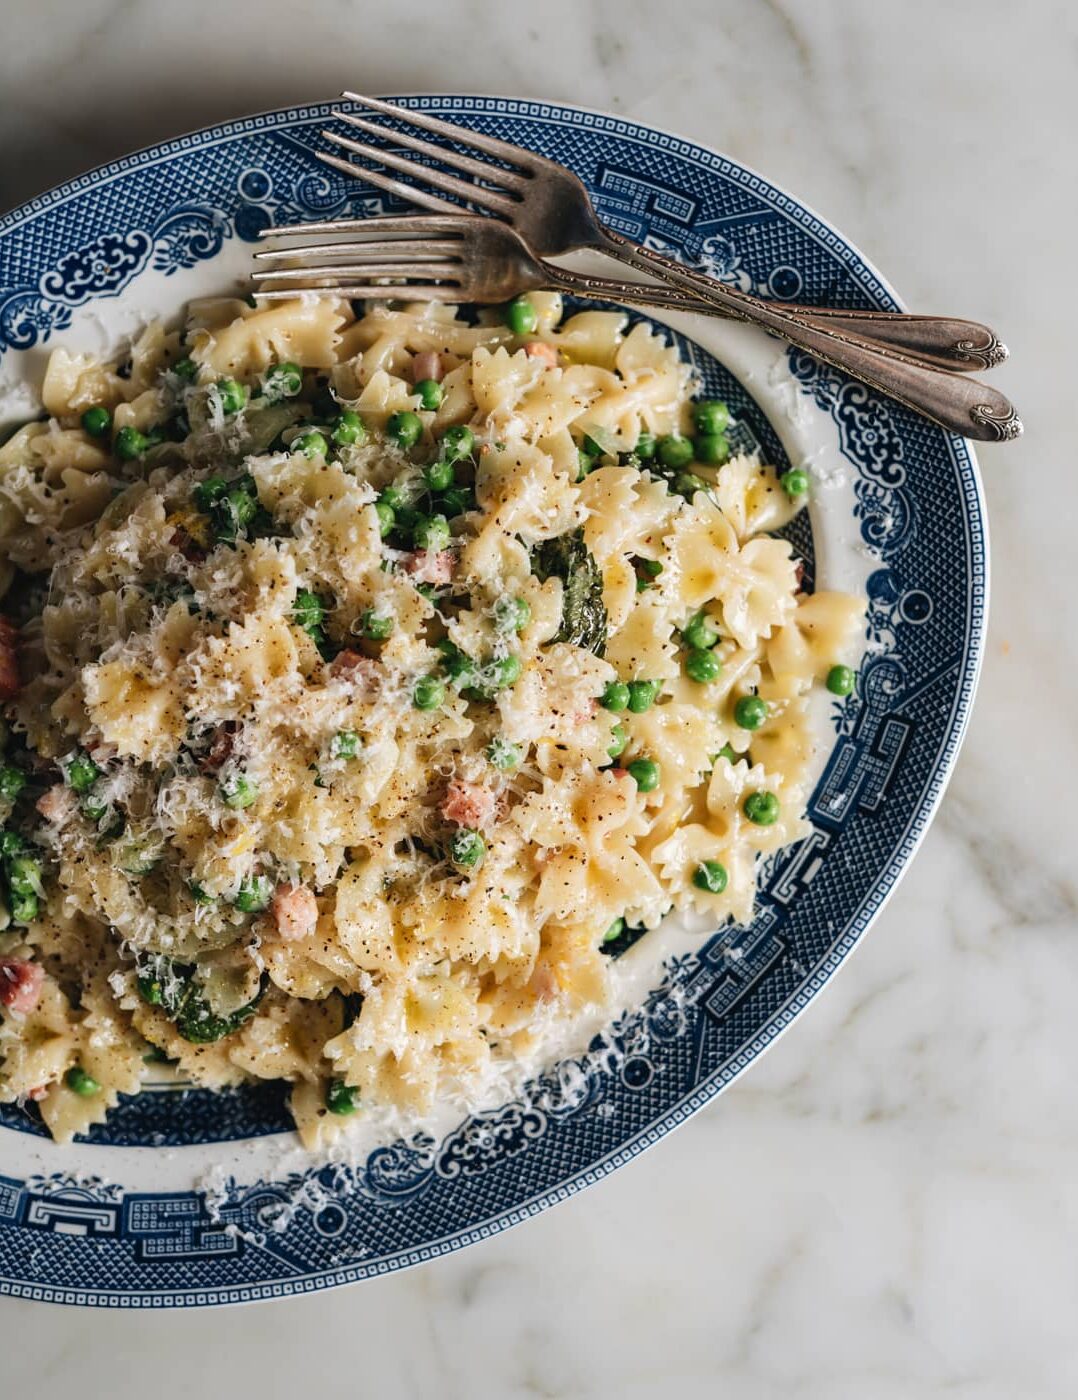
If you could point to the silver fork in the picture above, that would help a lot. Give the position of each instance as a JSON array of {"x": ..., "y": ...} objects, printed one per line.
[
  {"x": 433, "y": 257},
  {"x": 549, "y": 207},
  {"x": 470, "y": 259},
  {"x": 456, "y": 258},
  {"x": 557, "y": 216}
]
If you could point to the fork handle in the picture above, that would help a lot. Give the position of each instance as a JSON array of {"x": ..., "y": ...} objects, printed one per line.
[
  {"x": 953, "y": 401},
  {"x": 950, "y": 342}
]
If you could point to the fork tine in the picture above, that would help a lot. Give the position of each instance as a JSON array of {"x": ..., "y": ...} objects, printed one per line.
[
  {"x": 379, "y": 223},
  {"x": 370, "y": 291},
  {"x": 433, "y": 270},
  {"x": 512, "y": 155},
  {"x": 400, "y": 247},
  {"x": 496, "y": 174},
  {"x": 411, "y": 193},
  {"x": 449, "y": 184}
]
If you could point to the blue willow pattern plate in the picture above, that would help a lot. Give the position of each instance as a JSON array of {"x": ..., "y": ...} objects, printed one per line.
[{"x": 213, "y": 1215}]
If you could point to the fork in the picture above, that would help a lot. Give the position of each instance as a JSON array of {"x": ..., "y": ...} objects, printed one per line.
[
  {"x": 549, "y": 207},
  {"x": 470, "y": 259},
  {"x": 949, "y": 341}
]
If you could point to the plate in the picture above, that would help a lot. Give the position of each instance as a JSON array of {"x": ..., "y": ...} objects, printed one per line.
[{"x": 192, "y": 1198}]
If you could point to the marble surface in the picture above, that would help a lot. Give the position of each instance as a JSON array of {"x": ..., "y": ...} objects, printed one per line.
[{"x": 887, "y": 1206}]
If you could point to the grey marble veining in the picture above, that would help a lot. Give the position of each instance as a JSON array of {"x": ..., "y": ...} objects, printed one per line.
[{"x": 887, "y": 1206}]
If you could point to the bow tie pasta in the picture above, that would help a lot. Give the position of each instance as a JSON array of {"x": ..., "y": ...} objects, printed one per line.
[{"x": 367, "y": 681}]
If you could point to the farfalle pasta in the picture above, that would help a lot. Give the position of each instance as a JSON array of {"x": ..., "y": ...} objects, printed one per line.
[{"x": 368, "y": 680}]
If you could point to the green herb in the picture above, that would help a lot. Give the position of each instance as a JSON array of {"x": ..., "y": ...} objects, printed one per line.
[
  {"x": 341, "y": 1098},
  {"x": 175, "y": 989},
  {"x": 583, "y": 613}
]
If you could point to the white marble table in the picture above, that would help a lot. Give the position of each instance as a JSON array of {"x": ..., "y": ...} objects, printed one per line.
[{"x": 887, "y": 1206}]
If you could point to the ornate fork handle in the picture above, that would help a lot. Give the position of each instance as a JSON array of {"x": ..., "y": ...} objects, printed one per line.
[
  {"x": 955, "y": 402},
  {"x": 948, "y": 341}
]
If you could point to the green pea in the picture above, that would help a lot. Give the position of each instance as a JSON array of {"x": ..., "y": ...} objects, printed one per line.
[
  {"x": 238, "y": 791},
  {"x": 675, "y": 451},
  {"x": 645, "y": 773},
  {"x": 108, "y": 820},
  {"x": 762, "y": 808},
  {"x": 344, "y": 744},
  {"x": 431, "y": 532},
  {"x": 504, "y": 755},
  {"x": 512, "y": 614},
  {"x": 500, "y": 674},
  {"x": 795, "y": 483},
  {"x": 521, "y": 316},
  {"x": 700, "y": 632},
  {"x": 643, "y": 694},
  {"x": 645, "y": 446},
  {"x": 428, "y": 693},
  {"x": 82, "y": 772},
  {"x": 186, "y": 369},
  {"x": 841, "y": 680},
  {"x": 618, "y": 741},
  {"x": 387, "y": 517},
  {"x": 430, "y": 394},
  {"x": 349, "y": 429},
  {"x": 308, "y": 610},
  {"x": 233, "y": 395},
  {"x": 584, "y": 464},
  {"x": 81, "y": 1083},
  {"x": 591, "y": 448},
  {"x": 283, "y": 381},
  {"x": 458, "y": 442},
  {"x": 375, "y": 625},
  {"x": 341, "y": 1098},
  {"x": 24, "y": 875},
  {"x": 207, "y": 493},
  {"x": 11, "y": 844},
  {"x": 311, "y": 443},
  {"x": 615, "y": 697},
  {"x": 728, "y": 753},
  {"x": 457, "y": 500},
  {"x": 750, "y": 712},
  {"x": 24, "y": 907},
  {"x": 688, "y": 483},
  {"x": 129, "y": 444},
  {"x": 239, "y": 509},
  {"x": 710, "y": 877},
  {"x": 467, "y": 848},
  {"x": 199, "y": 894},
  {"x": 254, "y": 895},
  {"x": 711, "y": 417},
  {"x": 712, "y": 449},
  {"x": 703, "y": 666},
  {"x": 97, "y": 421},
  {"x": 12, "y": 782},
  {"x": 439, "y": 475},
  {"x": 616, "y": 929},
  {"x": 405, "y": 428}
]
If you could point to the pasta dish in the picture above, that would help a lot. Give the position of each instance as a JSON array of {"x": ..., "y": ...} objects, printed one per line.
[{"x": 369, "y": 678}]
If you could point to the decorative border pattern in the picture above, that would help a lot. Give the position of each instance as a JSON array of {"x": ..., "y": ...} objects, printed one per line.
[{"x": 72, "y": 1239}]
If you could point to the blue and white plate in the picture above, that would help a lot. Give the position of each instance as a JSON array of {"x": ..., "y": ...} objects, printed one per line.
[{"x": 188, "y": 1197}]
